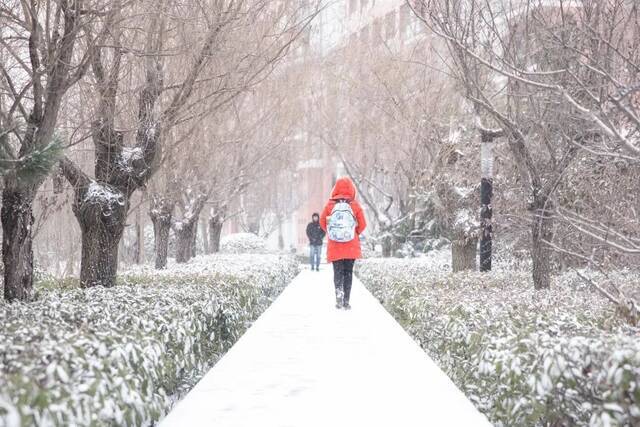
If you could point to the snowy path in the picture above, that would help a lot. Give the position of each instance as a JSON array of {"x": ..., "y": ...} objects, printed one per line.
[{"x": 305, "y": 363}]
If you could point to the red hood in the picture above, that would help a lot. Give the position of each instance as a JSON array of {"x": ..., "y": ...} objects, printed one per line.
[{"x": 344, "y": 189}]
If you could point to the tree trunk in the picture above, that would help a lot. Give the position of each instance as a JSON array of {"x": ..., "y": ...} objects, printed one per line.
[
  {"x": 161, "y": 214},
  {"x": 204, "y": 234},
  {"x": 139, "y": 255},
  {"x": 99, "y": 262},
  {"x": 486, "y": 193},
  {"x": 194, "y": 240},
  {"x": 541, "y": 232},
  {"x": 387, "y": 247},
  {"x": 17, "y": 243},
  {"x": 463, "y": 254},
  {"x": 184, "y": 241},
  {"x": 102, "y": 220},
  {"x": 161, "y": 230},
  {"x": 280, "y": 236},
  {"x": 215, "y": 232}
]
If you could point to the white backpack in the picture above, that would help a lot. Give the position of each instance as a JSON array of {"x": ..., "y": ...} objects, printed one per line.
[{"x": 341, "y": 226}]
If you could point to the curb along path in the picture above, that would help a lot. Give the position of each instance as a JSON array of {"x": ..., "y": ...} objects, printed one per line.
[{"x": 305, "y": 363}]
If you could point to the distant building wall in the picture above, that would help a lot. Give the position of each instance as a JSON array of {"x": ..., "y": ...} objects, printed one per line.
[
  {"x": 345, "y": 23},
  {"x": 316, "y": 182}
]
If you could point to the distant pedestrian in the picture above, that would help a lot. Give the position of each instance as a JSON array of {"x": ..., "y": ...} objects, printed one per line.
[
  {"x": 343, "y": 220},
  {"x": 315, "y": 234}
]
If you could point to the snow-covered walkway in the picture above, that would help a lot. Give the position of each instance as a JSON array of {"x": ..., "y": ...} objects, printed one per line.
[{"x": 305, "y": 363}]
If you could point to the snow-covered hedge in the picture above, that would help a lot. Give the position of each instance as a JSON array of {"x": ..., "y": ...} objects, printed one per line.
[
  {"x": 524, "y": 357},
  {"x": 243, "y": 243},
  {"x": 122, "y": 356}
]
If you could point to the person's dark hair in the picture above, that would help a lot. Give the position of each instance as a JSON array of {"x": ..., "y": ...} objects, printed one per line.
[{"x": 315, "y": 215}]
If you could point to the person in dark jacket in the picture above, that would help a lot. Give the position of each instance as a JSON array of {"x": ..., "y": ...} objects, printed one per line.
[{"x": 315, "y": 234}]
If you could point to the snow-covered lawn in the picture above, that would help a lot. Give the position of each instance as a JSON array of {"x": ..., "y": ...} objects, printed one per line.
[
  {"x": 524, "y": 357},
  {"x": 121, "y": 356},
  {"x": 306, "y": 364}
]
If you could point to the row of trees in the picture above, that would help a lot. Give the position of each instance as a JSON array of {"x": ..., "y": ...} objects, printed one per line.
[
  {"x": 543, "y": 98},
  {"x": 559, "y": 83},
  {"x": 131, "y": 91},
  {"x": 398, "y": 126}
]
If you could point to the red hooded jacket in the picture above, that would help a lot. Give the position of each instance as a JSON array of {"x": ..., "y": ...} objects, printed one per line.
[{"x": 344, "y": 189}]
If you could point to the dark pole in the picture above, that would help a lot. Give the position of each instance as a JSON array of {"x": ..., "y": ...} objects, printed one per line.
[{"x": 486, "y": 193}]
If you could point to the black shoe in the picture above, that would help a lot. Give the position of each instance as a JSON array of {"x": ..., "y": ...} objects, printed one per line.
[{"x": 346, "y": 306}]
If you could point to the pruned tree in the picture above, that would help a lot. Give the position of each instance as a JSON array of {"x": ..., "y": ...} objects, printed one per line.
[
  {"x": 519, "y": 64},
  {"x": 246, "y": 135},
  {"x": 45, "y": 49},
  {"x": 452, "y": 195},
  {"x": 231, "y": 44}
]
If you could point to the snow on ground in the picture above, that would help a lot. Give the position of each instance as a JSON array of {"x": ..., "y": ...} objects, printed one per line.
[
  {"x": 120, "y": 356},
  {"x": 305, "y": 363},
  {"x": 562, "y": 356}
]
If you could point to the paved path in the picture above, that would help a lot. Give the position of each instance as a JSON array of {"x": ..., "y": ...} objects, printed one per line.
[{"x": 305, "y": 363}]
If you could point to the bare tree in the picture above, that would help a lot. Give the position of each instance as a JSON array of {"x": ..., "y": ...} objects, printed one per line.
[
  {"x": 46, "y": 47},
  {"x": 169, "y": 96},
  {"x": 384, "y": 115},
  {"x": 518, "y": 66}
]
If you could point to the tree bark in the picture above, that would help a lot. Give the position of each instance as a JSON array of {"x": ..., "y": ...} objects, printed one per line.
[
  {"x": 205, "y": 235},
  {"x": 387, "y": 247},
  {"x": 186, "y": 230},
  {"x": 99, "y": 264},
  {"x": 486, "y": 194},
  {"x": 161, "y": 215},
  {"x": 194, "y": 240},
  {"x": 280, "y": 235},
  {"x": 17, "y": 243},
  {"x": 215, "y": 232},
  {"x": 184, "y": 241},
  {"x": 541, "y": 232},
  {"x": 139, "y": 254},
  {"x": 463, "y": 254},
  {"x": 486, "y": 233},
  {"x": 161, "y": 230},
  {"x": 102, "y": 221}
]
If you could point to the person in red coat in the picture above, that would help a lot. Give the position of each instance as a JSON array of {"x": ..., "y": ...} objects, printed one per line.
[{"x": 343, "y": 254}]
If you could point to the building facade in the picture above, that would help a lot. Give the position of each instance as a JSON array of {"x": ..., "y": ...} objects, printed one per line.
[{"x": 345, "y": 25}]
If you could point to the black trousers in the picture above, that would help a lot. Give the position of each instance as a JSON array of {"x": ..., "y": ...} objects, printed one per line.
[{"x": 343, "y": 278}]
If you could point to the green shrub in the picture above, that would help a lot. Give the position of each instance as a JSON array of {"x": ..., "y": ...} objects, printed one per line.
[
  {"x": 559, "y": 357},
  {"x": 122, "y": 356}
]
